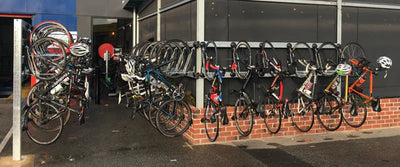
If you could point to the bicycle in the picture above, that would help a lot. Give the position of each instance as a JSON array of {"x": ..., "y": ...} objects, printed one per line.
[
  {"x": 273, "y": 104},
  {"x": 213, "y": 100}
]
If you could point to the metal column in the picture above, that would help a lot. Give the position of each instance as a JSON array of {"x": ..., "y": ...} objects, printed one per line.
[
  {"x": 339, "y": 22},
  {"x": 134, "y": 28},
  {"x": 16, "y": 148},
  {"x": 200, "y": 33},
  {"x": 158, "y": 20}
]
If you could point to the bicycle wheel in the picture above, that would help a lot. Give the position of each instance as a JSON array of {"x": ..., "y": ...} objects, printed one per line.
[
  {"x": 209, "y": 57},
  {"x": 243, "y": 117},
  {"x": 273, "y": 117},
  {"x": 302, "y": 113},
  {"x": 328, "y": 55},
  {"x": 211, "y": 121},
  {"x": 50, "y": 28},
  {"x": 242, "y": 58},
  {"x": 47, "y": 58},
  {"x": 355, "y": 111},
  {"x": 37, "y": 90},
  {"x": 267, "y": 52},
  {"x": 329, "y": 112},
  {"x": 173, "y": 118},
  {"x": 301, "y": 50},
  {"x": 353, "y": 50},
  {"x": 44, "y": 124}
]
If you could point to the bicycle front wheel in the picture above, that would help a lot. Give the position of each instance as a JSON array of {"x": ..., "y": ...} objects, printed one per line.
[
  {"x": 44, "y": 124},
  {"x": 302, "y": 113},
  {"x": 243, "y": 117},
  {"x": 329, "y": 112},
  {"x": 273, "y": 117},
  {"x": 355, "y": 111},
  {"x": 173, "y": 118},
  {"x": 211, "y": 121},
  {"x": 242, "y": 58}
]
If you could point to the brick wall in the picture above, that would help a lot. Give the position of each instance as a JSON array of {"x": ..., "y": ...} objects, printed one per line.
[{"x": 388, "y": 117}]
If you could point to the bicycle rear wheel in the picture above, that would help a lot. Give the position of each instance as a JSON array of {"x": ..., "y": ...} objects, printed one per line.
[
  {"x": 173, "y": 118},
  {"x": 243, "y": 117},
  {"x": 329, "y": 112},
  {"x": 302, "y": 113},
  {"x": 355, "y": 111},
  {"x": 301, "y": 50},
  {"x": 242, "y": 58},
  {"x": 273, "y": 117},
  {"x": 44, "y": 123},
  {"x": 211, "y": 121},
  {"x": 210, "y": 57},
  {"x": 328, "y": 54},
  {"x": 353, "y": 50}
]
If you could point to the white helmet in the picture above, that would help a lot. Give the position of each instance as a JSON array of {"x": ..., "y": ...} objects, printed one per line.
[
  {"x": 343, "y": 69},
  {"x": 79, "y": 49},
  {"x": 384, "y": 62}
]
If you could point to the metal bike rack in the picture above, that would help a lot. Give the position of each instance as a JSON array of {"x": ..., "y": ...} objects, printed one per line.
[{"x": 15, "y": 130}]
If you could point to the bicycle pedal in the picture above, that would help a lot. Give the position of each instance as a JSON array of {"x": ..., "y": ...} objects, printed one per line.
[
  {"x": 203, "y": 120},
  {"x": 233, "y": 117}
]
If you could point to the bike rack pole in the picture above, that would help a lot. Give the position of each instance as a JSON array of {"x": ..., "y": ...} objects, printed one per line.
[
  {"x": 16, "y": 128},
  {"x": 200, "y": 37}
]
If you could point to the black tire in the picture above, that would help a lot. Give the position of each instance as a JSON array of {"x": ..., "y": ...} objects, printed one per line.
[
  {"x": 210, "y": 56},
  {"x": 329, "y": 112},
  {"x": 243, "y": 117},
  {"x": 328, "y": 54},
  {"x": 47, "y": 58},
  {"x": 242, "y": 58},
  {"x": 301, "y": 50},
  {"x": 211, "y": 121},
  {"x": 33, "y": 97},
  {"x": 45, "y": 132},
  {"x": 355, "y": 111},
  {"x": 273, "y": 114},
  {"x": 302, "y": 113},
  {"x": 268, "y": 51},
  {"x": 173, "y": 118}
]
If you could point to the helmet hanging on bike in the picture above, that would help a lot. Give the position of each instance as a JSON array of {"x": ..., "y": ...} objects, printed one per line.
[
  {"x": 79, "y": 49},
  {"x": 384, "y": 62},
  {"x": 343, "y": 69}
]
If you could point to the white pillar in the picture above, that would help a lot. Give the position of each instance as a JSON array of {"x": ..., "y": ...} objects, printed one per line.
[
  {"x": 200, "y": 33},
  {"x": 158, "y": 20},
  {"x": 339, "y": 22},
  {"x": 16, "y": 148},
  {"x": 134, "y": 28}
]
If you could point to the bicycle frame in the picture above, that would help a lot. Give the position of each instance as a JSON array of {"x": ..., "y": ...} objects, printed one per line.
[{"x": 366, "y": 72}]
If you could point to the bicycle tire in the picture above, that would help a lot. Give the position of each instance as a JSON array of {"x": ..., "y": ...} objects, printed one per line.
[
  {"x": 265, "y": 55},
  {"x": 47, "y": 58},
  {"x": 273, "y": 114},
  {"x": 169, "y": 123},
  {"x": 328, "y": 53},
  {"x": 211, "y": 121},
  {"x": 302, "y": 113},
  {"x": 329, "y": 112},
  {"x": 208, "y": 59},
  {"x": 50, "y": 28},
  {"x": 243, "y": 112},
  {"x": 43, "y": 133},
  {"x": 354, "y": 111},
  {"x": 301, "y": 50},
  {"x": 242, "y": 58},
  {"x": 33, "y": 98}
]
